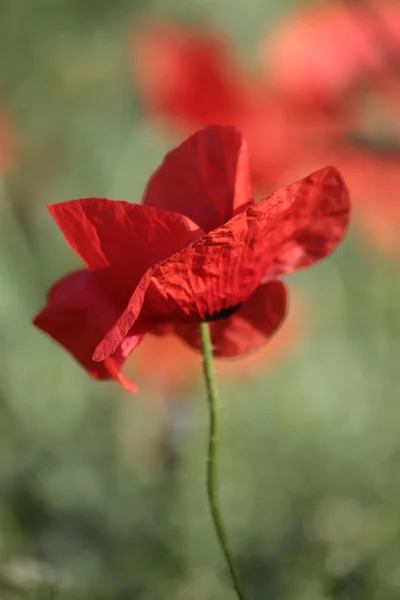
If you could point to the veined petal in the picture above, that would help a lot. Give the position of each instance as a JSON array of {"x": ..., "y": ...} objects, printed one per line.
[
  {"x": 313, "y": 223},
  {"x": 123, "y": 237},
  {"x": 77, "y": 315},
  {"x": 295, "y": 227},
  {"x": 251, "y": 326},
  {"x": 206, "y": 178}
]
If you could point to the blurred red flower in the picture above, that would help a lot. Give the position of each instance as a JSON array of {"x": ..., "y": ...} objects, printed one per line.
[
  {"x": 196, "y": 249},
  {"x": 191, "y": 79},
  {"x": 188, "y": 76},
  {"x": 319, "y": 54},
  {"x": 321, "y": 51}
]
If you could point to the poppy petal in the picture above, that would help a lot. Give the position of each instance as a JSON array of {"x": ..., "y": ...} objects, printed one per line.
[
  {"x": 312, "y": 226},
  {"x": 295, "y": 227},
  {"x": 118, "y": 332},
  {"x": 127, "y": 238},
  {"x": 206, "y": 178},
  {"x": 77, "y": 315},
  {"x": 248, "y": 328}
]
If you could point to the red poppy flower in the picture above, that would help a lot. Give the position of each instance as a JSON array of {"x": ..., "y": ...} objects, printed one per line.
[{"x": 197, "y": 249}]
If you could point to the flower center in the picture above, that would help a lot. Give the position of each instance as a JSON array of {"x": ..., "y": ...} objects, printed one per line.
[{"x": 223, "y": 313}]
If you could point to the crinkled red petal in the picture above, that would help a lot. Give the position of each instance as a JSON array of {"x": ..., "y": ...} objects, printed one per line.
[
  {"x": 294, "y": 228},
  {"x": 123, "y": 239},
  {"x": 311, "y": 226},
  {"x": 206, "y": 178},
  {"x": 297, "y": 226},
  {"x": 251, "y": 326},
  {"x": 127, "y": 318},
  {"x": 77, "y": 315}
]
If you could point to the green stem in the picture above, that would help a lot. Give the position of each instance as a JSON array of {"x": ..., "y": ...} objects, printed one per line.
[{"x": 212, "y": 478}]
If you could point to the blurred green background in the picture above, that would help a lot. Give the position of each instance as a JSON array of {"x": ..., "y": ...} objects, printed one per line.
[{"x": 102, "y": 493}]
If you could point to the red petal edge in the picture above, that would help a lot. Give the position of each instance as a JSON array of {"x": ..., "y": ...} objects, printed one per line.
[
  {"x": 77, "y": 315},
  {"x": 118, "y": 332}
]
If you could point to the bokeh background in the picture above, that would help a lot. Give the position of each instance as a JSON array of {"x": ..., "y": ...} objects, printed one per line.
[{"x": 101, "y": 492}]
